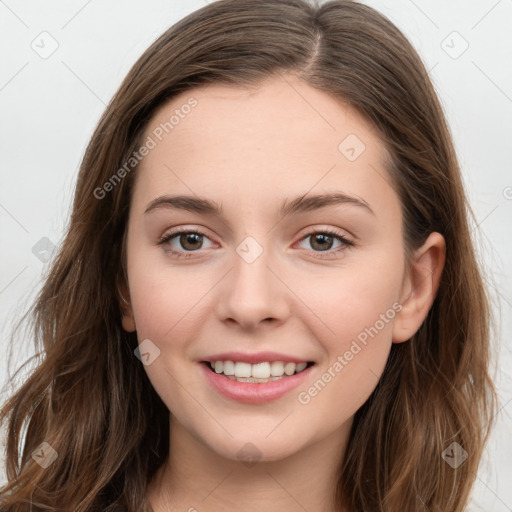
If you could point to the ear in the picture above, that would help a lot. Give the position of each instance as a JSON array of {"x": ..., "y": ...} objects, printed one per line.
[
  {"x": 420, "y": 286},
  {"x": 127, "y": 317}
]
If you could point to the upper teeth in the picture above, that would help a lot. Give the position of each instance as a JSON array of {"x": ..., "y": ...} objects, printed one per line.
[{"x": 258, "y": 370}]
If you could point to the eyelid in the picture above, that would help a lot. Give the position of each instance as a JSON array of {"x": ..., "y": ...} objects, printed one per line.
[
  {"x": 326, "y": 228},
  {"x": 183, "y": 230}
]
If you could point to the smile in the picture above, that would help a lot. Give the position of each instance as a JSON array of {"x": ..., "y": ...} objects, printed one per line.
[
  {"x": 259, "y": 372},
  {"x": 246, "y": 383}
]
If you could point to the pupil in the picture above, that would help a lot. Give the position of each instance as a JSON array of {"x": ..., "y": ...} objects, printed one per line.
[
  {"x": 184, "y": 240},
  {"x": 324, "y": 238}
]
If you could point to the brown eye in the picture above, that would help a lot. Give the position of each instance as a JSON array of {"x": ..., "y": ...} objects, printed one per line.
[
  {"x": 188, "y": 241},
  {"x": 322, "y": 242}
]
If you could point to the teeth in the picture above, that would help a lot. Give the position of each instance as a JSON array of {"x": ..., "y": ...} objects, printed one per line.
[
  {"x": 229, "y": 368},
  {"x": 301, "y": 366},
  {"x": 259, "y": 372},
  {"x": 276, "y": 368},
  {"x": 242, "y": 369},
  {"x": 289, "y": 368}
]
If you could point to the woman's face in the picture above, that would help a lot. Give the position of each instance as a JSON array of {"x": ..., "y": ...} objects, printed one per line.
[{"x": 266, "y": 280}]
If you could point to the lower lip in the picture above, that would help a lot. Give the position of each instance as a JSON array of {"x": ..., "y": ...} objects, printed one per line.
[{"x": 251, "y": 392}]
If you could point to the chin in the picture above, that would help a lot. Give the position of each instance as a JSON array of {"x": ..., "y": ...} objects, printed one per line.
[{"x": 252, "y": 448}]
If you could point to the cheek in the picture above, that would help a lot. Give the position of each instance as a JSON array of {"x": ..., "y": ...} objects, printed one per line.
[
  {"x": 366, "y": 303},
  {"x": 357, "y": 308},
  {"x": 345, "y": 301},
  {"x": 168, "y": 304},
  {"x": 356, "y": 346},
  {"x": 342, "y": 386},
  {"x": 165, "y": 299}
]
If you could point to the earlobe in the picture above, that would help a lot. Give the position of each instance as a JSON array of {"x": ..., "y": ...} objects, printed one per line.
[
  {"x": 127, "y": 318},
  {"x": 420, "y": 287},
  {"x": 128, "y": 322}
]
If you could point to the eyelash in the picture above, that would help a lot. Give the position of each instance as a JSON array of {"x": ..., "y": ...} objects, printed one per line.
[{"x": 318, "y": 254}]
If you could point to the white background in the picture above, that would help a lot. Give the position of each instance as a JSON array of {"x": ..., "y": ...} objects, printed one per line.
[{"x": 50, "y": 106}]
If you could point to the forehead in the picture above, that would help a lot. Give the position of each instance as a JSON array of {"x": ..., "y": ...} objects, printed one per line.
[{"x": 257, "y": 145}]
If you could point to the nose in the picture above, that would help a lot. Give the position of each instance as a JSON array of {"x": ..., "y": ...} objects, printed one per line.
[{"x": 253, "y": 293}]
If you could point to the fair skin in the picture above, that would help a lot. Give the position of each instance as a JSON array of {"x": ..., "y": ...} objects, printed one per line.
[{"x": 249, "y": 150}]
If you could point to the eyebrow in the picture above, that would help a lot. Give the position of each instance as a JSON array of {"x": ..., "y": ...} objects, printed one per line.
[{"x": 298, "y": 205}]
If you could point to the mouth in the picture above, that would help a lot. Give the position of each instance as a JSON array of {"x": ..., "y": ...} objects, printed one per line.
[
  {"x": 257, "y": 373},
  {"x": 255, "y": 382}
]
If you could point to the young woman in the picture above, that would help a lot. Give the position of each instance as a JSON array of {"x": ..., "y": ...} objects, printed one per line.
[{"x": 267, "y": 297}]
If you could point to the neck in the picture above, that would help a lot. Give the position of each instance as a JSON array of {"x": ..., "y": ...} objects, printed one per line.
[{"x": 196, "y": 478}]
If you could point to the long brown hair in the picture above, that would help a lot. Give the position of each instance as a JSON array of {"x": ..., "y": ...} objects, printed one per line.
[{"x": 90, "y": 399}]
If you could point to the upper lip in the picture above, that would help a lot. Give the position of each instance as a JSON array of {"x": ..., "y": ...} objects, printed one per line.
[{"x": 257, "y": 357}]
